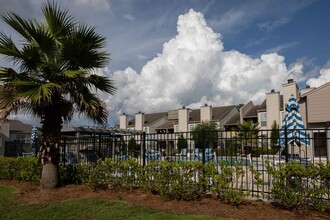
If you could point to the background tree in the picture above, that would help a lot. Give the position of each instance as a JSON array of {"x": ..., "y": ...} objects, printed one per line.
[
  {"x": 53, "y": 77},
  {"x": 274, "y": 134},
  {"x": 182, "y": 143},
  {"x": 205, "y": 135},
  {"x": 134, "y": 147}
]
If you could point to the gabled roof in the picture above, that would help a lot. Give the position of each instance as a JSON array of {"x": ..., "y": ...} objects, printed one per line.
[
  {"x": 220, "y": 112},
  {"x": 89, "y": 131},
  {"x": 168, "y": 124},
  {"x": 149, "y": 119},
  {"x": 16, "y": 126},
  {"x": 263, "y": 106},
  {"x": 315, "y": 90},
  {"x": 235, "y": 120}
]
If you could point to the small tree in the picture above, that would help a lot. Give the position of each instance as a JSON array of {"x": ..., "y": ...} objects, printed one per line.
[
  {"x": 274, "y": 134},
  {"x": 205, "y": 134},
  {"x": 182, "y": 143},
  {"x": 134, "y": 147}
]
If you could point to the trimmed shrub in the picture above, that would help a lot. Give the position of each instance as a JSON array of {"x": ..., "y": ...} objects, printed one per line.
[{"x": 20, "y": 168}]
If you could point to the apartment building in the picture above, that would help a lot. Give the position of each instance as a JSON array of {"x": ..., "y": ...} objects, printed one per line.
[
  {"x": 14, "y": 130},
  {"x": 181, "y": 120},
  {"x": 314, "y": 109}
]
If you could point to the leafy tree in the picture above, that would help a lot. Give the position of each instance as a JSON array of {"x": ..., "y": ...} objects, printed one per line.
[
  {"x": 239, "y": 106},
  {"x": 274, "y": 134},
  {"x": 133, "y": 146},
  {"x": 205, "y": 134},
  {"x": 53, "y": 77},
  {"x": 182, "y": 143}
]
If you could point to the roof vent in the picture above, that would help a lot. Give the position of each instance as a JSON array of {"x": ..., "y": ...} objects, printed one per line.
[
  {"x": 183, "y": 107},
  {"x": 205, "y": 104},
  {"x": 290, "y": 80},
  {"x": 308, "y": 87},
  {"x": 272, "y": 91}
]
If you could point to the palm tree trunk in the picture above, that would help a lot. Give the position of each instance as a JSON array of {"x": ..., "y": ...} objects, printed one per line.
[{"x": 50, "y": 148}]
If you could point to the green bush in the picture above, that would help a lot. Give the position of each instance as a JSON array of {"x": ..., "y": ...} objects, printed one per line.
[
  {"x": 296, "y": 187},
  {"x": 20, "y": 168},
  {"x": 293, "y": 185},
  {"x": 227, "y": 184},
  {"x": 110, "y": 173}
]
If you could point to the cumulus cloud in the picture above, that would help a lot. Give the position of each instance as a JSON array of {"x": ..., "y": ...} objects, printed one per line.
[
  {"x": 192, "y": 69},
  {"x": 323, "y": 78}
]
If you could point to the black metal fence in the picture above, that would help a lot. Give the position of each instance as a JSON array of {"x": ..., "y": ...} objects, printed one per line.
[
  {"x": 19, "y": 148},
  {"x": 249, "y": 149},
  {"x": 206, "y": 146}
]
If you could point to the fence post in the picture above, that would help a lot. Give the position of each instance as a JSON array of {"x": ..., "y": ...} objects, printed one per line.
[
  {"x": 286, "y": 144},
  {"x": 64, "y": 146},
  {"x": 36, "y": 147},
  {"x": 100, "y": 142},
  {"x": 203, "y": 145},
  {"x": 143, "y": 149},
  {"x": 327, "y": 139}
]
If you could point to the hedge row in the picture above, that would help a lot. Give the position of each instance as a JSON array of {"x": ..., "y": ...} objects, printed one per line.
[{"x": 293, "y": 186}]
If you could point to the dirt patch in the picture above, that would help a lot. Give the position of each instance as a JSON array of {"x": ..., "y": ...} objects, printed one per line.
[{"x": 30, "y": 193}]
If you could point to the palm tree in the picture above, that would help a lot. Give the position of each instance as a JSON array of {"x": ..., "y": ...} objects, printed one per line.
[
  {"x": 53, "y": 77},
  {"x": 248, "y": 133}
]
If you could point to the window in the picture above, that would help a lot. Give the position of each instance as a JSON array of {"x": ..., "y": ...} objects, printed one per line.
[
  {"x": 263, "y": 119},
  {"x": 146, "y": 130},
  {"x": 191, "y": 127},
  {"x": 176, "y": 128}
]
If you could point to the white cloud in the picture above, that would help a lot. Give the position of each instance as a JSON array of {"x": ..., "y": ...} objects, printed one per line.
[
  {"x": 282, "y": 47},
  {"x": 194, "y": 69},
  {"x": 272, "y": 25},
  {"x": 142, "y": 57},
  {"x": 323, "y": 78},
  {"x": 129, "y": 17},
  {"x": 102, "y": 5}
]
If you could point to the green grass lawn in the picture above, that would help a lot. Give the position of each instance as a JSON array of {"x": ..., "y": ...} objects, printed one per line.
[{"x": 79, "y": 209}]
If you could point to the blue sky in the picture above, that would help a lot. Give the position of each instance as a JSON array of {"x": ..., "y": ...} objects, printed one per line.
[{"x": 167, "y": 53}]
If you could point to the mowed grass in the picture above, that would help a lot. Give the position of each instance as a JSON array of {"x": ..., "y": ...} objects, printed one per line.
[{"x": 79, "y": 209}]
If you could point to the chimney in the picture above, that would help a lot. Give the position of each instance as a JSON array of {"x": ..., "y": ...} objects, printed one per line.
[
  {"x": 290, "y": 89},
  {"x": 123, "y": 121},
  {"x": 206, "y": 113},
  {"x": 183, "y": 119},
  {"x": 139, "y": 121},
  {"x": 272, "y": 108}
]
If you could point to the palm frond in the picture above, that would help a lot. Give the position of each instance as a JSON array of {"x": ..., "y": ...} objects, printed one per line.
[
  {"x": 74, "y": 73},
  {"x": 81, "y": 49},
  {"x": 35, "y": 91},
  {"x": 87, "y": 103},
  {"x": 24, "y": 27},
  {"x": 10, "y": 102},
  {"x": 102, "y": 83},
  {"x": 7, "y": 75},
  {"x": 58, "y": 21},
  {"x": 9, "y": 49}
]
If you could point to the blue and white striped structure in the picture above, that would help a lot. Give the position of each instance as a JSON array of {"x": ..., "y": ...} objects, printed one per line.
[{"x": 294, "y": 125}]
